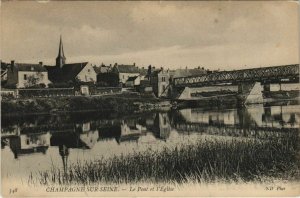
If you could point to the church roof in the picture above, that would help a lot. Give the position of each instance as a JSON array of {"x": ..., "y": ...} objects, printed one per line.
[
  {"x": 61, "y": 49},
  {"x": 67, "y": 73},
  {"x": 70, "y": 71}
]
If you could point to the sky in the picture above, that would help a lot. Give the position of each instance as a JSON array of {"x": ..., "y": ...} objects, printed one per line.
[{"x": 215, "y": 35}]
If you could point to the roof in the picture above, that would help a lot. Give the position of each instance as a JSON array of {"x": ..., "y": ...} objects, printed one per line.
[
  {"x": 30, "y": 67},
  {"x": 70, "y": 71},
  {"x": 66, "y": 73},
  {"x": 132, "y": 78},
  {"x": 127, "y": 69}
]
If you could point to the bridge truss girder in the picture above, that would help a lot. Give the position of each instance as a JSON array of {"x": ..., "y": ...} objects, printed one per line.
[{"x": 290, "y": 73}]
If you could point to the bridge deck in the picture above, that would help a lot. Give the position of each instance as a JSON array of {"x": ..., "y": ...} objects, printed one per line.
[{"x": 289, "y": 73}]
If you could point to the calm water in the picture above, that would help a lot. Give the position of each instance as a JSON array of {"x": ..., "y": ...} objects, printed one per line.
[{"x": 38, "y": 143}]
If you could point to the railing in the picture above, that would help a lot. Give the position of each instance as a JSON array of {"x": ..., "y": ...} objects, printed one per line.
[
  {"x": 45, "y": 92},
  {"x": 105, "y": 90},
  {"x": 251, "y": 75}
]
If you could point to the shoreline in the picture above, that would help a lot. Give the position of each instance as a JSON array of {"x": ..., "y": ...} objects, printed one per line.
[{"x": 81, "y": 104}]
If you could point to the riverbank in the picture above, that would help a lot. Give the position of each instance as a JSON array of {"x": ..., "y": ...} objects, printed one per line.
[{"x": 123, "y": 103}]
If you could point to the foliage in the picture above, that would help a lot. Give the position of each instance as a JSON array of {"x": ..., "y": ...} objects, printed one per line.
[{"x": 208, "y": 161}]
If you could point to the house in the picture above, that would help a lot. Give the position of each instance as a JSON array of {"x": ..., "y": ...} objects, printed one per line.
[
  {"x": 160, "y": 80},
  {"x": 63, "y": 72},
  {"x": 23, "y": 75},
  {"x": 134, "y": 81},
  {"x": 125, "y": 71},
  {"x": 145, "y": 86}
]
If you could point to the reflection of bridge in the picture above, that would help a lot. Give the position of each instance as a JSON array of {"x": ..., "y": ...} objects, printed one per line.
[
  {"x": 248, "y": 80},
  {"x": 236, "y": 131},
  {"x": 258, "y": 122}
]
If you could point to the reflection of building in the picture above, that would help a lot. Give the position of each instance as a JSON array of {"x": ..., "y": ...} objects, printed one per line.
[
  {"x": 64, "y": 153},
  {"x": 229, "y": 117},
  {"x": 109, "y": 132},
  {"x": 161, "y": 128},
  {"x": 122, "y": 132},
  {"x": 85, "y": 140},
  {"x": 278, "y": 116},
  {"x": 30, "y": 143},
  {"x": 129, "y": 132}
]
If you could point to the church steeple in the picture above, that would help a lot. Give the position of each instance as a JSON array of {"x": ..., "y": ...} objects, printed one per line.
[{"x": 61, "y": 59}]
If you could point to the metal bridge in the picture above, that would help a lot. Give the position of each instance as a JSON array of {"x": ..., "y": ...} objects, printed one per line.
[{"x": 277, "y": 74}]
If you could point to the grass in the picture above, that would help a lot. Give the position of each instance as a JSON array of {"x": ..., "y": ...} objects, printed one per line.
[{"x": 208, "y": 161}]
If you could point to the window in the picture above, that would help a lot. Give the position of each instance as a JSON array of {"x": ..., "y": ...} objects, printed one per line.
[
  {"x": 25, "y": 76},
  {"x": 89, "y": 70},
  {"x": 163, "y": 79},
  {"x": 123, "y": 76}
]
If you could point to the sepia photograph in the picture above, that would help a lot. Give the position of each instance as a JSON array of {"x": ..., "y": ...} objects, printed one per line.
[{"x": 150, "y": 98}]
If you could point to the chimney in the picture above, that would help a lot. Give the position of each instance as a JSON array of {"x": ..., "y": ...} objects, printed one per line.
[
  {"x": 41, "y": 63},
  {"x": 12, "y": 65},
  {"x": 133, "y": 64}
]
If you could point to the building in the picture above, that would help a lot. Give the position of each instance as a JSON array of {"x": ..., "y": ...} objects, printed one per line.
[
  {"x": 125, "y": 71},
  {"x": 160, "y": 80},
  {"x": 3, "y": 72},
  {"x": 145, "y": 86},
  {"x": 63, "y": 72},
  {"x": 60, "y": 59},
  {"x": 134, "y": 81},
  {"x": 102, "y": 69},
  {"x": 23, "y": 75}
]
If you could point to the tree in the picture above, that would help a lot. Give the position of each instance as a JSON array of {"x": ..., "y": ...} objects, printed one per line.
[{"x": 32, "y": 81}]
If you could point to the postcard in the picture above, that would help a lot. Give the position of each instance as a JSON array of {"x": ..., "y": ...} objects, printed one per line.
[{"x": 150, "y": 98}]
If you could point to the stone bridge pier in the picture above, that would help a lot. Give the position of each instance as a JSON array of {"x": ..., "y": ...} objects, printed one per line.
[{"x": 250, "y": 93}]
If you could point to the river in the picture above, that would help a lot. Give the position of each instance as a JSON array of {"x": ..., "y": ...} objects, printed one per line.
[{"x": 31, "y": 145}]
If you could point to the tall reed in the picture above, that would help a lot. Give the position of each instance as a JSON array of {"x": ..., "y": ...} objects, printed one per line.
[{"x": 208, "y": 161}]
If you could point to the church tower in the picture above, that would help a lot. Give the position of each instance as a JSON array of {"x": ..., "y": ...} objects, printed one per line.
[{"x": 61, "y": 59}]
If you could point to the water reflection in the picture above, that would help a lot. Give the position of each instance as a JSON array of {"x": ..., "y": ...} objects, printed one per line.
[{"x": 64, "y": 133}]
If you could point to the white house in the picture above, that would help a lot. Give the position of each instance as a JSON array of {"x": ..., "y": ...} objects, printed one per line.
[
  {"x": 134, "y": 81},
  {"x": 27, "y": 75},
  {"x": 125, "y": 71}
]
